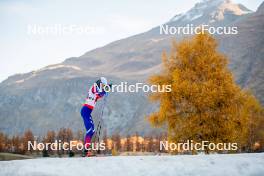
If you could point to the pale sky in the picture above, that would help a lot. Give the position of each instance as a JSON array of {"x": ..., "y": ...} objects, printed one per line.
[{"x": 21, "y": 52}]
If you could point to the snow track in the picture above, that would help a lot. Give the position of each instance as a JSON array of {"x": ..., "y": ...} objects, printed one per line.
[{"x": 204, "y": 165}]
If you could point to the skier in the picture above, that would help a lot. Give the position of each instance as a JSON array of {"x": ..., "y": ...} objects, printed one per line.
[{"x": 96, "y": 92}]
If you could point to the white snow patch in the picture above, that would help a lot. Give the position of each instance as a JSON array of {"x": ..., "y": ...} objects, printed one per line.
[
  {"x": 59, "y": 66},
  {"x": 206, "y": 165},
  {"x": 20, "y": 81},
  {"x": 217, "y": 8},
  {"x": 23, "y": 80},
  {"x": 53, "y": 67},
  {"x": 156, "y": 40},
  {"x": 234, "y": 8},
  {"x": 196, "y": 16}
]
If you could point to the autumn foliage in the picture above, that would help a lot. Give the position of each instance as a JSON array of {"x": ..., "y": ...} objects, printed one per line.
[{"x": 205, "y": 102}]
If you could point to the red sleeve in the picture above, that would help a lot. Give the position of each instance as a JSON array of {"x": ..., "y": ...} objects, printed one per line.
[
  {"x": 93, "y": 89},
  {"x": 95, "y": 92},
  {"x": 98, "y": 96}
]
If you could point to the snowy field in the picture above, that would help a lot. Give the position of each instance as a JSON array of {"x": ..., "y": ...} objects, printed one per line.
[{"x": 204, "y": 165}]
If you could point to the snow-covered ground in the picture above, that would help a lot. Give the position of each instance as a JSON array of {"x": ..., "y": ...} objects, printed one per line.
[{"x": 211, "y": 165}]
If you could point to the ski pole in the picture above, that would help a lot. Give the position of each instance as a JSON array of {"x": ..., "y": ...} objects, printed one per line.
[
  {"x": 99, "y": 126},
  {"x": 101, "y": 118}
]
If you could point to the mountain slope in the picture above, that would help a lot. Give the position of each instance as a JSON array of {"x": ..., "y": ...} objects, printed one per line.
[
  {"x": 246, "y": 52},
  {"x": 51, "y": 97}
]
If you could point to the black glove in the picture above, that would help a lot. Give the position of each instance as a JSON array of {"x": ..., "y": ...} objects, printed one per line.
[{"x": 106, "y": 88}]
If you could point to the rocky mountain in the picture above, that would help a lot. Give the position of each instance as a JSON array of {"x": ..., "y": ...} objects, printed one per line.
[
  {"x": 212, "y": 11},
  {"x": 51, "y": 97},
  {"x": 246, "y": 52}
]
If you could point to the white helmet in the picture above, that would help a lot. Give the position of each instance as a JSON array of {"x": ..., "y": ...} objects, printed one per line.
[{"x": 103, "y": 80}]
